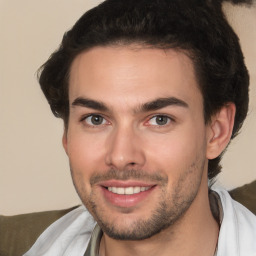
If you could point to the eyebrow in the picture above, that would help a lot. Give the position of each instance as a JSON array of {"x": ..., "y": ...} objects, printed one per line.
[
  {"x": 88, "y": 103},
  {"x": 145, "y": 107},
  {"x": 162, "y": 103}
]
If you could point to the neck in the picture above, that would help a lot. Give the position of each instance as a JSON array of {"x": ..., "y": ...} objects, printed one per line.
[{"x": 196, "y": 233}]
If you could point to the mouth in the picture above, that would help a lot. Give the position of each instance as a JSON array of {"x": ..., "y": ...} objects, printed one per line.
[
  {"x": 126, "y": 194},
  {"x": 127, "y": 190}
]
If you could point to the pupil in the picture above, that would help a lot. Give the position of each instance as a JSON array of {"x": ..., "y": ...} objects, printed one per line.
[
  {"x": 97, "y": 120},
  {"x": 161, "y": 120}
]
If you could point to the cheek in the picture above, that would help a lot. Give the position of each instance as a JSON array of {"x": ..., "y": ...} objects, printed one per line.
[
  {"x": 86, "y": 153},
  {"x": 176, "y": 151}
]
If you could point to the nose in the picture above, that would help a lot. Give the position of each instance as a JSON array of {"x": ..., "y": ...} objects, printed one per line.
[{"x": 124, "y": 149}]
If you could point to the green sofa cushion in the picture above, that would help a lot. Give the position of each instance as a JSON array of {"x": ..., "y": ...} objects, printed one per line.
[
  {"x": 18, "y": 233},
  {"x": 246, "y": 195}
]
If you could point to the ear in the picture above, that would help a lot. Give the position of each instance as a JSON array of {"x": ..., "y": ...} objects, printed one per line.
[
  {"x": 219, "y": 131},
  {"x": 65, "y": 141}
]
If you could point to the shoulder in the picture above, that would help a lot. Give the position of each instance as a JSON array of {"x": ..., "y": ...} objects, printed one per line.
[
  {"x": 238, "y": 228},
  {"x": 69, "y": 235}
]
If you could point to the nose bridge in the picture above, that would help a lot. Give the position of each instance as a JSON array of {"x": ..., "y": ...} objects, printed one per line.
[{"x": 124, "y": 148}]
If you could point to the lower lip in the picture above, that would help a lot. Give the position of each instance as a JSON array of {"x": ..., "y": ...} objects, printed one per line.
[{"x": 126, "y": 201}]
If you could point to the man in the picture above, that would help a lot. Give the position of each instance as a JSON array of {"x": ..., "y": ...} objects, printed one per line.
[{"x": 151, "y": 92}]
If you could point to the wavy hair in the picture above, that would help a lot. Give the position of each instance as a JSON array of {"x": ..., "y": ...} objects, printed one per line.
[{"x": 197, "y": 27}]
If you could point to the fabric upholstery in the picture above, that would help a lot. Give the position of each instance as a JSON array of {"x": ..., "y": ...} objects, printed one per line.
[
  {"x": 18, "y": 233},
  {"x": 246, "y": 195}
]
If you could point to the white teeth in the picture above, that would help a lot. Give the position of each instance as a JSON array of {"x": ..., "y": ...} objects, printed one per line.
[
  {"x": 120, "y": 191},
  {"x": 127, "y": 191},
  {"x": 136, "y": 190}
]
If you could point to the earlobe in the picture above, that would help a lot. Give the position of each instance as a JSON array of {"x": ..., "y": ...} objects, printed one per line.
[{"x": 220, "y": 130}]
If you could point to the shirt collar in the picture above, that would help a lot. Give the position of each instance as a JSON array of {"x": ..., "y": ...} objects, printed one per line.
[{"x": 94, "y": 243}]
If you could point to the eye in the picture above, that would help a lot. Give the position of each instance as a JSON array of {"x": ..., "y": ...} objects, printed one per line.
[
  {"x": 160, "y": 120},
  {"x": 95, "y": 120}
]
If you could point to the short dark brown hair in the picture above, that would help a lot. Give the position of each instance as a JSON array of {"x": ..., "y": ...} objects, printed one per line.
[{"x": 197, "y": 27}]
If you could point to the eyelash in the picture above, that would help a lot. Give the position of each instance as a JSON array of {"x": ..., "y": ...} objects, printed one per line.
[
  {"x": 83, "y": 120},
  {"x": 169, "y": 120}
]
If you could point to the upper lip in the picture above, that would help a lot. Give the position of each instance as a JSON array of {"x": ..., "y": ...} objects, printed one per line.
[{"x": 125, "y": 184}]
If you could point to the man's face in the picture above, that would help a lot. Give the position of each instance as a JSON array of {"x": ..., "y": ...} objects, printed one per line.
[{"x": 136, "y": 138}]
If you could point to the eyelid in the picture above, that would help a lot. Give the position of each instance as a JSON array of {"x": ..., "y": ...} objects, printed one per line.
[
  {"x": 107, "y": 122},
  {"x": 171, "y": 120},
  {"x": 91, "y": 114},
  {"x": 84, "y": 117}
]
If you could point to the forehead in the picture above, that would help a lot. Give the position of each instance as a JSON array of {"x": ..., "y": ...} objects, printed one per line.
[{"x": 132, "y": 74}]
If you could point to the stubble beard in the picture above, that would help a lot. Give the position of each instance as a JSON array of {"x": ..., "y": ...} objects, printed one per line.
[{"x": 168, "y": 211}]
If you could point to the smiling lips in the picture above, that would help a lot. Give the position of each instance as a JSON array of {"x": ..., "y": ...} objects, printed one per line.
[
  {"x": 126, "y": 194},
  {"x": 128, "y": 190}
]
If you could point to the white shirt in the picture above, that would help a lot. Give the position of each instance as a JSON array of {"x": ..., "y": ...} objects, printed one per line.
[
  {"x": 237, "y": 235},
  {"x": 70, "y": 235}
]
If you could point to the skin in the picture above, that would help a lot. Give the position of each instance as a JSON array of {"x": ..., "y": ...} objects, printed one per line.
[{"x": 126, "y": 145}]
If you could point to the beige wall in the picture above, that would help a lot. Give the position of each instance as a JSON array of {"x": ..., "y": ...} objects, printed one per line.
[{"x": 34, "y": 172}]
